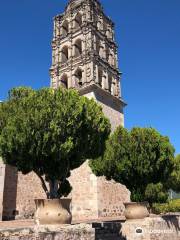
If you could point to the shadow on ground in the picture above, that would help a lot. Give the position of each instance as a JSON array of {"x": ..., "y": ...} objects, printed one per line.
[{"x": 108, "y": 230}]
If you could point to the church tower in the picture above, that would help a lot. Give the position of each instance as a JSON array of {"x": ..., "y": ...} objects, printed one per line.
[{"x": 84, "y": 56}]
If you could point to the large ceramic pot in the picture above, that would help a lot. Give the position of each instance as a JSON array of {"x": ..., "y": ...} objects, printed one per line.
[
  {"x": 53, "y": 211},
  {"x": 136, "y": 210}
]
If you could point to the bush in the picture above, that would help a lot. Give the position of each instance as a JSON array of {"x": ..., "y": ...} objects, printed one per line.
[
  {"x": 141, "y": 159},
  {"x": 171, "y": 206},
  {"x": 156, "y": 193}
]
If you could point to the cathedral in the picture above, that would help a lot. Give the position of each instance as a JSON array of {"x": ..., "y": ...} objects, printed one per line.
[{"x": 84, "y": 57}]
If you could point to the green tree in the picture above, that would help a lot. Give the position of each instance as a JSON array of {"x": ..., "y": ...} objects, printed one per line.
[
  {"x": 174, "y": 180},
  {"x": 51, "y": 132},
  {"x": 136, "y": 159},
  {"x": 155, "y": 193}
]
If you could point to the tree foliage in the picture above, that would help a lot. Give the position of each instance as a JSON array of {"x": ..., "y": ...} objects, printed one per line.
[
  {"x": 51, "y": 132},
  {"x": 142, "y": 159},
  {"x": 155, "y": 193},
  {"x": 174, "y": 181}
]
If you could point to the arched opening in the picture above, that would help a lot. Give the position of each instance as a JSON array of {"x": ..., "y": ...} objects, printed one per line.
[
  {"x": 110, "y": 83},
  {"x": 78, "y": 77},
  {"x": 98, "y": 45},
  {"x": 109, "y": 33},
  {"x": 78, "y": 47},
  {"x": 78, "y": 21},
  {"x": 100, "y": 76},
  {"x": 107, "y": 53},
  {"x": 65, "y": 28},
  {"x": 64, "y": 81},
  {"x": 104, "y": 27},
  {"x": 65, "y": 54},
  {"x": 111, "y": 59}
]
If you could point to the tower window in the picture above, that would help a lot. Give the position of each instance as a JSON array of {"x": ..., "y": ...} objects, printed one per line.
[
  {"x": 97, "y": 46},
  {"x": 107, "y": 53},
  {"x": 78, "y": 77},
  {"x": 65, "y": 28},
  {"x": 64, "y": 81},
  {"x": 100, "y": 76},
  {"x": 78, "y": 21},
  {"x": 110, "y": 83},
  {"x": 65, "y": 54},
  {"x": 104, "y": 27},
  {"x": 78, "y": 47}
]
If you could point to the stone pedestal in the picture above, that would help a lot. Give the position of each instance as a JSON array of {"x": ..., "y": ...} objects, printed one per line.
[
  {"x": 152, "y": 228},
  {"x": 156, "y": 228}
]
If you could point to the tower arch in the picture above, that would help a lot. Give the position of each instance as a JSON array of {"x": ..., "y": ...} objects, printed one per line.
[
  {"x": 78, "y": 48},
  {"x": 64, "y": 54},
  {"x": 78, "y": 77},
  {"x": 100, "y": 77},
  {"x": 65, "y": 28},
  {"x": 78, "y": 21},
  {"x": 64, "y": 80}
]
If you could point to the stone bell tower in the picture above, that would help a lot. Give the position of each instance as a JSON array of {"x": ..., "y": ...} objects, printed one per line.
[{"x": 84, "y": 57}]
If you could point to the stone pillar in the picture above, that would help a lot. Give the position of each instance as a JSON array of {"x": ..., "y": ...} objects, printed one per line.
[
  {"x": 113, "y": 86},
  {"x": 83, "y": 76},
  {"x": 104, "y": 77},
  {"x": 2, "y": 177},
  {"x": 101, "y": 51},
  {"x": 73, "y": 23},
  {"x": 97, "y": 74},
  {"x": 74, "y": 84},
  {"x": 73, "y": 50},
  {"x": 83, "y": 45},
  {"x": 58, "y": 28},
  {"x": 95, "y": 43},
  {"x": 54, "y": 32}
]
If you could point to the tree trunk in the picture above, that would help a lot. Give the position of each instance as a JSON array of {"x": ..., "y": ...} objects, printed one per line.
[
  {"x": 53, "y": 185},
  {"x": 43, "y": 184}
]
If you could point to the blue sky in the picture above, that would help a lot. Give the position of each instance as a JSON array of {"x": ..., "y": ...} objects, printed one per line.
[{"x": 148, "y": 35}]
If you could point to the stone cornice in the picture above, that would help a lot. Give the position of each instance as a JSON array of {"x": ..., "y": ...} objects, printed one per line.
[{"x": 95, "y": 88}]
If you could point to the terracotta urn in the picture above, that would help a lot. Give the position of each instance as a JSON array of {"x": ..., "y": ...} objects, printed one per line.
[
  {"x": 52, "y": 211},
  {"x": 136, "y": 210}
]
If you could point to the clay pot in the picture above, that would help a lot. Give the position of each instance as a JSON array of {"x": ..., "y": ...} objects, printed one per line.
[
  {"x": 136, "y": 210},
  {"x": 52, "y": 211}
]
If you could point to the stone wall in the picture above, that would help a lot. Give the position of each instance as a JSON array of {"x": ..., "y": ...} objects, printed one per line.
[
  {"x": 112, "y": 107},
  {"x": 10, "y": 192},
  {"x": 19, "y": 194},
  {"x": 28, "y": 188},
  {"x": 156, "y": 228},
  {"x": 84, "y": 193},
  {"x": 95, "y": 197},
  {"x": 2, "y": 174},
  {"x": 111, "y": 196},
  {"x": 92, "y": 197}
]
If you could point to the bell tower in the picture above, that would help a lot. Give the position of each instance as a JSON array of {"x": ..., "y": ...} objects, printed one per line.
[{"x": 84, "y": 56}]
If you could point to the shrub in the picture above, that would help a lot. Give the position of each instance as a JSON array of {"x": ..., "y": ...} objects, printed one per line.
[
  {"x": 156, "y": 193},
  {"x": 171, "y": 206}
]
